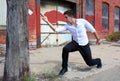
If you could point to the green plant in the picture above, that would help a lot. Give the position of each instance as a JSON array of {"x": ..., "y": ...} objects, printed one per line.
[
  {"x": 49, "y": 74},
  {"x": 114, "y": 36},
  {"x": 30, "y": 78},
  {"x": 46, "y": 75}
]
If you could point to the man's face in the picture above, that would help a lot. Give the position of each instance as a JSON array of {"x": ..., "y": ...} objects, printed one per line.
[{"x": 68, "y": 18}]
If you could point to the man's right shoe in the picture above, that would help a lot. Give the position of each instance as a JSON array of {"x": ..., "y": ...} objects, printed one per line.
[
  {"x": 99, "y": 65},
  {"x": 63, "y": 71}
]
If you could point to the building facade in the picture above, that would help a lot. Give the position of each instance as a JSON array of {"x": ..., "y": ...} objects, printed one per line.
[{"x": 104, "y": 15}]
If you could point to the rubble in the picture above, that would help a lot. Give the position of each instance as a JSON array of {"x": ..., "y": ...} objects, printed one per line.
[{"x": 2, "y": 51}]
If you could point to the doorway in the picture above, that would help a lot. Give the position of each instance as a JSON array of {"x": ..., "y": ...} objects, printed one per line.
[{"x": 53, "y": 10}]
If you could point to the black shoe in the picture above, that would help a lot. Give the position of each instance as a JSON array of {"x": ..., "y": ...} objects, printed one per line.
[
  {"x": 63, "y": 71},
  {"x": 99, "y": 65}
]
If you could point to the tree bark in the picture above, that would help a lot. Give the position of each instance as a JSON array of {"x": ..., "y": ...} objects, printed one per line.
[{"x": 17, "y": 47}]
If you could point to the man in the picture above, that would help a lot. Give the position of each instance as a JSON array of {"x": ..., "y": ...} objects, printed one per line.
[{"x": 80, "y": 42}]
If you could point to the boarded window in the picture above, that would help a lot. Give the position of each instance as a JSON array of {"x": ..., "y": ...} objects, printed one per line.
[
  {"x": 105, "y": 14},
  {"x": 90, "y": 7},
  {"x": 90, "y": 11},
  {"x": 117, "y": 19},
  {"x": 3, "y": 9}
]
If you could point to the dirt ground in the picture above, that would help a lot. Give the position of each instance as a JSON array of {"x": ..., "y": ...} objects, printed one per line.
[
  {"x": 45, "y": 59},
  {"x": 48, "y": 60}
]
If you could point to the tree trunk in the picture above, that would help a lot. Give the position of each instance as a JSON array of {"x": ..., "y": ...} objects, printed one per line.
[{"x": 17, "y": 48}]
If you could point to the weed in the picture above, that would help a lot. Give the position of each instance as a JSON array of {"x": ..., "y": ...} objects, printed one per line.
[
  {"x": 113, "y": 37},
  {"x": 30, "y": 78}
]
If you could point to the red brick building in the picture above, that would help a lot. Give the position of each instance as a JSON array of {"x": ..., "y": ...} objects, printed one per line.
[{"x": 104, "y": 15}]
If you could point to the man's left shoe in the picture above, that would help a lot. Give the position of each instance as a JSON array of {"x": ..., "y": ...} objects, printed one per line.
[{"x": 63, "y": 71}]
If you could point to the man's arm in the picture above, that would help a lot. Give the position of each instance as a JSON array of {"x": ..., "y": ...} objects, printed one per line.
[
  {"x": 92, "y": 29},
  {"x": 97, "y": 38},
  {"x": 46, "y": 20}
]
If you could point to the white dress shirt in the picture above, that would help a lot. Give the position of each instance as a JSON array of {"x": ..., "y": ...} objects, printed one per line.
[{"x": 79, "y": 32}]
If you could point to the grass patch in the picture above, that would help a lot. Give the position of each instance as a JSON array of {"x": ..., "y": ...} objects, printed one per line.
[
  {"x": 30, "y": 78},
  {"x": 113, "y": 37},
  {"x": 48, "y": 75}
]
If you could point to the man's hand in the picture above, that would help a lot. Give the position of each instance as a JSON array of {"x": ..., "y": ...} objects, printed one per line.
[
  {"x": 98, "y": 42},
  {"x": 97, "y": 37}
]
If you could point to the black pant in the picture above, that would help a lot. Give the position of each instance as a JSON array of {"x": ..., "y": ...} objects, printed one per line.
[{"x": 84, "y": 50}]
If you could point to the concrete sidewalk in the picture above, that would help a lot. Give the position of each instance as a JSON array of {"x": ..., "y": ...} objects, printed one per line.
[{"x": 49, "y": 58}]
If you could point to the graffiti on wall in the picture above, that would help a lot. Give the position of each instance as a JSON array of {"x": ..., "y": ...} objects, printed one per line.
[{"x": 54, "y": 16}]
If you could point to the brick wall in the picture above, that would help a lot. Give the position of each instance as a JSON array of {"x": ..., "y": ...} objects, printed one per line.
[
  {"x": 81, "y": 13},
  {"x": 2, "y": 36},
  {"x": 98, "y": 16}
]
